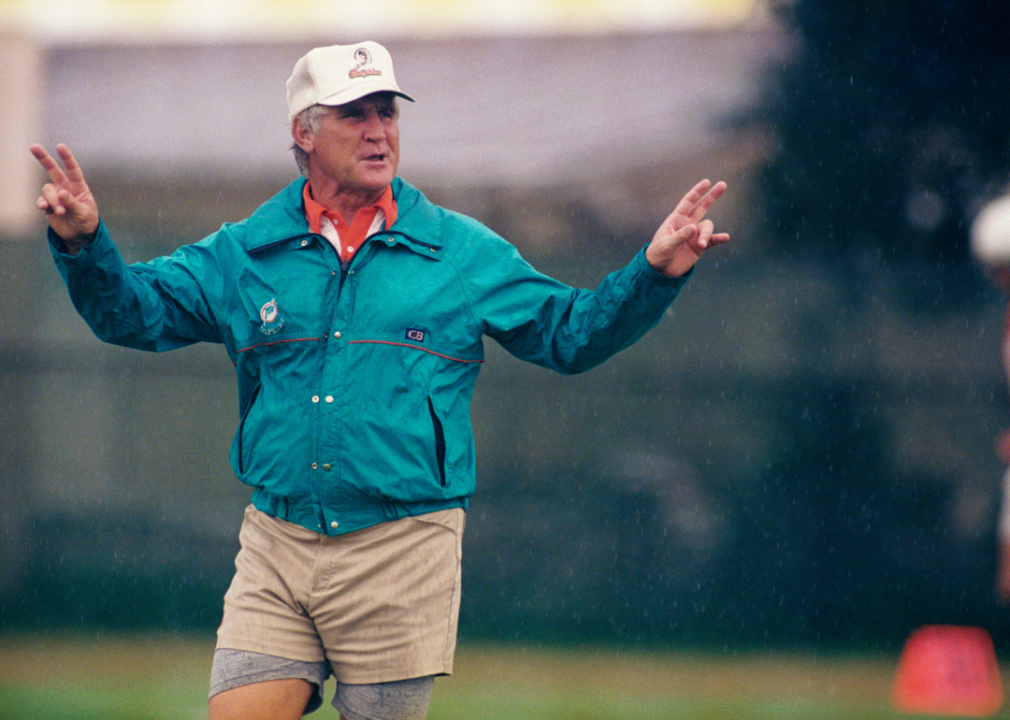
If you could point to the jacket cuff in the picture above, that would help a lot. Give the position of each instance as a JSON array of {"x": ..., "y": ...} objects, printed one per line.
[
  {"x": 59, "y": 248},
  {"x": 646, "y": 269}
]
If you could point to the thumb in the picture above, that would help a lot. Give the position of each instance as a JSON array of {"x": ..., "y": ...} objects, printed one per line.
[
  {"x": 69, "y": 203},
  {"x": 80, "y": 217},
  {"x": 685, "y": 234},
  {"x": 78, "y": 209}
]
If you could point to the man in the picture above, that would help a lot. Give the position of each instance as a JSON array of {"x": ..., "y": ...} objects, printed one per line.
[
  {"x": 354, "y": 311},
  {"x": 990, "y": 244}
]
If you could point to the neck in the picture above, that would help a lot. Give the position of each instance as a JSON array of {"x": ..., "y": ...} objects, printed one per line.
[{"x": 345, "y": 202}]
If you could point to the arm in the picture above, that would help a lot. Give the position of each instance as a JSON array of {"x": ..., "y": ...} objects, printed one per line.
[
  {"x": 161, "y": 305},
  {"x": 1003, "y": 453},
  {"x": 571, "y": 330},
  {"x": 1003, "y": 544}
]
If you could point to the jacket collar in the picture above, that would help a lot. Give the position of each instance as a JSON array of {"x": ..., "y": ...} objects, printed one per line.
[
  {"x": 282, "y": 218},
  {"x": 418, "y": 219}
]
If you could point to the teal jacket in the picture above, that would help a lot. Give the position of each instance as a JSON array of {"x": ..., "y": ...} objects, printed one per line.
[{"x": 355, "y": 382}]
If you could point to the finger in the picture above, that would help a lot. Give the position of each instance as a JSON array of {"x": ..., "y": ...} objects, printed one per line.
[
  {"x": 708, "y": 200},
  {"x": 714, "y": 193},
  {"x": 50, "y": 165},
  {"x": 685, "y": 234},
  {"x": 705, "y": 230},
  {"x": 689, "y": 201},
  {"x": 69, "y": 203},
  {"x": 50, "y": 200},
  {"x": 74, "y": 172}
]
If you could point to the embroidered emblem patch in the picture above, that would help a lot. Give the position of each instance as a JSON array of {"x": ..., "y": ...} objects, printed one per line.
[
  {"x": 270, "y": 315},
  {"x": 414, "y": 335},
  {"x": 363, "y": 58}
]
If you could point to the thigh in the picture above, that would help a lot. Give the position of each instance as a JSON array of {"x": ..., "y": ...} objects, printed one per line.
[
  {"x": 400, "y": 700},
  {"x": 269, "y": 700},
  {"x": 233, "y": 669},
  {"x": 265, "y": 606},
  {"x": 390, "y": 605}
]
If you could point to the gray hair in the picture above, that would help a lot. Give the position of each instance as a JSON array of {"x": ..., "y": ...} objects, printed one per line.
[{"x": 310, "y": 118}]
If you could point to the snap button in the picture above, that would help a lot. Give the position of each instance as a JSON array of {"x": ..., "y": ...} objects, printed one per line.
[
  {"x": 304, "y": 243},
  {"x": 315, "y": 398},
  {"x": 337, "y": 335},
  {"x": 315, "y": 466},
  {"x": 329, "y": 398},
  {"x": 334, "y": 524},
  {"x": 326, "y": 466}
]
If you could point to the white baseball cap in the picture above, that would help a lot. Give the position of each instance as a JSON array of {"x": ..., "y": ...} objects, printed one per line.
[{"x": 340, "y": 74}]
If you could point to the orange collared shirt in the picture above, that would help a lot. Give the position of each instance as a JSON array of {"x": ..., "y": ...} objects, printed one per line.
[{"x": 348, "y": 238}]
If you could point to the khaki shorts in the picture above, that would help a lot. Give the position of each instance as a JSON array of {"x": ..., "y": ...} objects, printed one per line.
[{"x": 379, "y": 604}]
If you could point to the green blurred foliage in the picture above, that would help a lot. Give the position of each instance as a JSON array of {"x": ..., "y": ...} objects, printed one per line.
[{"x": 893, "y": 127}]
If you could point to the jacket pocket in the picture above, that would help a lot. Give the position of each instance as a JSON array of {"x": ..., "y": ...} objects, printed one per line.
[
  {"x": 240, "y": 435},
  {"x": 439, "y": 442}
]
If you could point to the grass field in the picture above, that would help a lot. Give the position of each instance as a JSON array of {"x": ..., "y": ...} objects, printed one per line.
[{"x": 158, "y": 677}]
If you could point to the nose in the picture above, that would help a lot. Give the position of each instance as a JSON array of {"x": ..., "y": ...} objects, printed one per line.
[{"x": 375, "y": 128}]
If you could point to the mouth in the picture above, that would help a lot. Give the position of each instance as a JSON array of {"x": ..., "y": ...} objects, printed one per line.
[{"x": 376, "y": 158}]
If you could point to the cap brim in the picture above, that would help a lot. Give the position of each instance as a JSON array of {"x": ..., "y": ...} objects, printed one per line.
[{"x": 360, "y": 90}]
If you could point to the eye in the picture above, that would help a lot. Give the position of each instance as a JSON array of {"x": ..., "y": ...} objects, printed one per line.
[{"x": 352, "y": 113}]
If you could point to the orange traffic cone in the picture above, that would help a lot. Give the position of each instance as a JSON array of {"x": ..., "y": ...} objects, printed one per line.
[{"x": 948, "y": 670}]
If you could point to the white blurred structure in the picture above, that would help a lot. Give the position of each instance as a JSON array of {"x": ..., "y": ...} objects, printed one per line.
[
  {"x": 990, "y": 234},
  {"x": 21, "y": 87},
  {"x": 530, "y": 111}
]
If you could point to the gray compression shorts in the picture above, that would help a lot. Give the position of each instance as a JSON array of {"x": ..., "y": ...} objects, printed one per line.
[{"x": 400, "y": 700}]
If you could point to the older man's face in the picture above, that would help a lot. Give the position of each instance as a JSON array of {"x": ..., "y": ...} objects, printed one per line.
[{"x": 358, "y": 144}]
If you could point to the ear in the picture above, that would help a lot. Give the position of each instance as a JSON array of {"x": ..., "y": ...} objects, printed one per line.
[{"x": 302, "y": 137}]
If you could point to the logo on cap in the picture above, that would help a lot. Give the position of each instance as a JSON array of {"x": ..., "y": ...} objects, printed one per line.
[{"x": 363, "y": 58}]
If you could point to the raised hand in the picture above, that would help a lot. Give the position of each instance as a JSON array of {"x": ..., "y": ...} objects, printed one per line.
[
  {"x": 67, "y": 202},
  {"x": 685, "y": 235}
]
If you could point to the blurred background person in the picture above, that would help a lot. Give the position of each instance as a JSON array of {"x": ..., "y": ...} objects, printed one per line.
[{"x": 990, "y": 243}]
